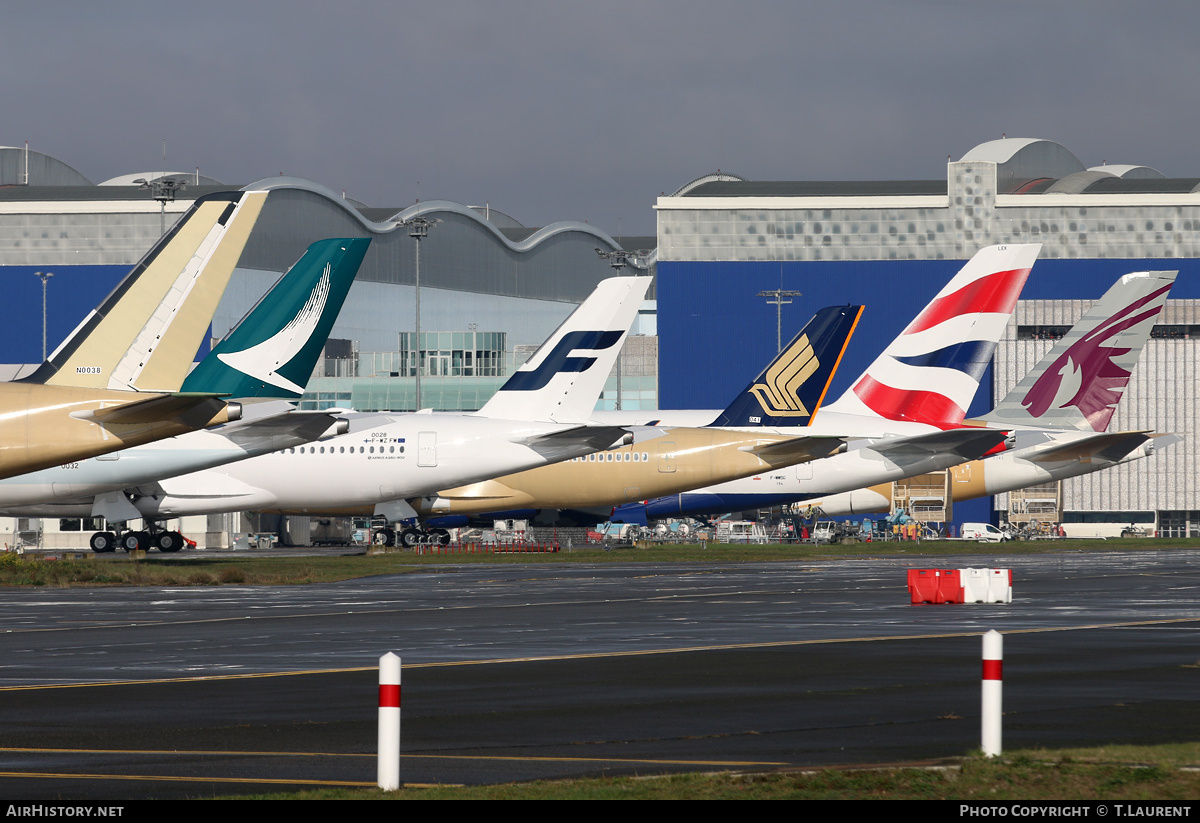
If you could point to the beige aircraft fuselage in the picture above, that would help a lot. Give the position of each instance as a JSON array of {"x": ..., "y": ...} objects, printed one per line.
[
  {"x": 43, "y": 426},
  {"x": 678, "y": 461}
]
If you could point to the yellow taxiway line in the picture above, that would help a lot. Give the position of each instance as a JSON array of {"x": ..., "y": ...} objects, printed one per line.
[{"x": 770, "y": 644}]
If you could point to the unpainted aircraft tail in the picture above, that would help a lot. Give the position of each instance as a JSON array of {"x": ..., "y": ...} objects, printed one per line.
[
  {"x": 563, "y": 379},
  {"x": 145, "y": 335},
  {"x": 790, "y": 390},
  {"x": 272, "y": 351},
  {"x": 930, "y": 373},
  {"x": 1080, "y": 381}
]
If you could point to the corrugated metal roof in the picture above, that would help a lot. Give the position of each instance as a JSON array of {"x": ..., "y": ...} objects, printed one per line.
[{"x": 816, "y": 188}]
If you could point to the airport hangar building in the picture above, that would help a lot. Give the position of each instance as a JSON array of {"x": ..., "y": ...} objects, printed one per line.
[
  {"x": 723, "y": 242},
  {"x": 491, "y": 290},
  {"x": 500, "y": 288}
]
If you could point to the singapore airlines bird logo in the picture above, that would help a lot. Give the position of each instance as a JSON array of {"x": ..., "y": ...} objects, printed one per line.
[
  {"x": 263, "y": 360},
  {"x": 777, "y": 395}
]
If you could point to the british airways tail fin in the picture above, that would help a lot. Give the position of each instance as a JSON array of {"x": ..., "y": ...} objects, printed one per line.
[
  {"x": 271, "y": 352},
  {"x": 1079, "y": 382},
  {"x": 563, "y": 380},
  {"x": 145, "y": 335},
  {"x": 791, "y": 389},
  {"x": 930, "y": 373}
]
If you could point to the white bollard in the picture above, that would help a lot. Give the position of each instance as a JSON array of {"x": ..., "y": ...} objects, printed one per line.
[
  {"x": 389, "y": 722},
  {"x": 993, "y": 685}
]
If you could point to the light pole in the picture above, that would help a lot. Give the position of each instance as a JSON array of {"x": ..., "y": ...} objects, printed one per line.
[
  {"x": 778, "y": 303},
  {"x": 43, "y": 276},
  {"x": 618, "y": 259},
  {"x": 418, "y": 230}
]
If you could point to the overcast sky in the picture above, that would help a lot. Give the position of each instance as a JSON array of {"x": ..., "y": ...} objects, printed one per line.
[{"x": 588, "y": 111}]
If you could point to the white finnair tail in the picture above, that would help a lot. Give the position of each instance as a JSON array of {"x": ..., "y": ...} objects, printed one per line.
[
  {"x": 1079, "y": 382},
  {"x": 563, "y": 380},
  {"x": 930, "y": 373}
]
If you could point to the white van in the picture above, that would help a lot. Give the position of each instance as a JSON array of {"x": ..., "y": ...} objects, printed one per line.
[{"x": 983, "y": 532}]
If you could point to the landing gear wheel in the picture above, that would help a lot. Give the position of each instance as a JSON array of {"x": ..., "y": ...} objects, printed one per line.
[
  {"x": 168, "y": 541},
  {"x": 410, "y": 538},
  {"x": 135, "y": 541},
  {"x": 104, "y": 542},
  {"x": 383, "y": 537},
  {"x": 440, "y": 536}
]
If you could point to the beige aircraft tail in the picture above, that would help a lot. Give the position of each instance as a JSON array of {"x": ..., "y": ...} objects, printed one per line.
[{"x": 145, "y": 335}]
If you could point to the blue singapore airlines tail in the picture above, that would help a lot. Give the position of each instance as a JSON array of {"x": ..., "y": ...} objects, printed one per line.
[
  {"x": 563, "y": 380},
  {"x": 789, "y": 392},
  {"x": 272, "y": 351},
  {"x": 791, "y": 389}
]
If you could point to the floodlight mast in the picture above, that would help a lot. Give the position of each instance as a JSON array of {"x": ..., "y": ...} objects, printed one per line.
[
  {"x": 418, "y": 230},
  {"x": 778, "y": 302},
  {"x": 43, "y": 276},
  {"x": 618, "y": 259},
  {"x": 162, "y": 189}
]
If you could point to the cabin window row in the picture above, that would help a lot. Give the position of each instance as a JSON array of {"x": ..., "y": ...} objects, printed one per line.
[
  {"x": 613, "y": 457},
  {"x": 342, "y": 450}
]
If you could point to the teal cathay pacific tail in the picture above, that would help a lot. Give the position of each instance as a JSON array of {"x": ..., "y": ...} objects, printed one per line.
[{"x": 271, "y": 352}]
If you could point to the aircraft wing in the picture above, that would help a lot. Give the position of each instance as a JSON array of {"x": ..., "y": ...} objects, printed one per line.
[
  {"x": 797, "y": 450},
  {"x": 1112, "y": 446},
  {"x": 560, "y": 445},
  {"x": 299, "y": 426},
  {"x": 194, "y": 409},
  {"x": 969, "y": 444}
]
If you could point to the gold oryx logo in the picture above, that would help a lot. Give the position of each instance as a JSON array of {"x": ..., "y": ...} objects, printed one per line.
[{"x": 777, "y": 395}]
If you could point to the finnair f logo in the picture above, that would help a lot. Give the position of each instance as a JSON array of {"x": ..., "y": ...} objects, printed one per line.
[
  {"x": 778, "y": 393},
  {"x": 560, "y": 360},
  {"x": 263, "y": 361}
]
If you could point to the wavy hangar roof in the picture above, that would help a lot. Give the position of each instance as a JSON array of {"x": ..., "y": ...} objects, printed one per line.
[
  {"x": 1024, "y": 166},
  {"x": 463, "y": 251}
]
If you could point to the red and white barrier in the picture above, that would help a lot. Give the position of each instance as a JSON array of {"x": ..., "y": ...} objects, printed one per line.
[
  {"x": 389, "y": 722},
  {"x": 993, "y": 685},
  {"x": 960, "y": 585}
]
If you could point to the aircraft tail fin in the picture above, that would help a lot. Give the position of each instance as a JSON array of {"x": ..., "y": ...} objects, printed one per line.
[
  {"x": 272, "y": 351},
  {"x": 563, "y": 379},
  {"x": 930, "y": 373},
  {"x": 1080, "y": 381},
  {"x": 145, "y": 335},
  {"x": 790, "y": 390}
]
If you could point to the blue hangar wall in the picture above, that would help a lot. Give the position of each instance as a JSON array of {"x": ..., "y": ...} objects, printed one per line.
[
  {"x": 716, "y": 334},
  {"x": 71, "y": 293}
]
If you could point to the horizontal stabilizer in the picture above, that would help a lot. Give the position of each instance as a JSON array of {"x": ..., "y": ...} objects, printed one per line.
[
  {"x": 305, "y": 426},
  {"x": 1110, "y": 447},
  {"x": 969, "y": 444},
  {"x": 797, "y": 450},
  {"x": 569, "y": 442},
  {"x": 182, "y": 407}
]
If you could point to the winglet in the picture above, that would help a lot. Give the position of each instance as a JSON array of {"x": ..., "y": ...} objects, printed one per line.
[
  {"x": 563, "y": 379},
  {"x": 272, "y": 351},
  {"x": 790, "y": 390},
  {"x": 1080, "y": 381},
  {"x": 930, "y": 373}
]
